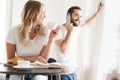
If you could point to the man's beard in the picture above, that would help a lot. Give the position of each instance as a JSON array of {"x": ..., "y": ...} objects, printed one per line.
[{"x": 74, "y": 24}]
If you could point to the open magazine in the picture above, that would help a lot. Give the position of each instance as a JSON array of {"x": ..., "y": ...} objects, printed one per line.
[{"x": 38, "y": 64}]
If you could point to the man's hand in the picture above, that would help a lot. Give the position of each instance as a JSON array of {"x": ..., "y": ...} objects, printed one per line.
[
  {"x": 69, "y": 27},
  {"x": 100, "y": 7}
]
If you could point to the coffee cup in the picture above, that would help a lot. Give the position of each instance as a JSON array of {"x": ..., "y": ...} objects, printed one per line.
[{"x": 23, "y": 63}]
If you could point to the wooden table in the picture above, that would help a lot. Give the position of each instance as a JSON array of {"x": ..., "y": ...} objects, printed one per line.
[{"x": 35, "y": 71}]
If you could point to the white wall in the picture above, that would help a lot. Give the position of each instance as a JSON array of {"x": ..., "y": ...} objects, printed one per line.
[
  {"x": 2, "y": 30},
  {"x": 54, "y": 11},
  {"x": 17, "y": 6}
]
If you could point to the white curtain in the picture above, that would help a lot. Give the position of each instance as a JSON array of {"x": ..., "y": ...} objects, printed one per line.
[
  {"x": 99, "y": 50},
  {"x": 110, "y": 49},
  {"x": 89, "y": 42}
]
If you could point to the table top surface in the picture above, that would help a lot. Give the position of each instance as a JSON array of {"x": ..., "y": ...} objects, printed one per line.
[{"x": 43, "y": 71}]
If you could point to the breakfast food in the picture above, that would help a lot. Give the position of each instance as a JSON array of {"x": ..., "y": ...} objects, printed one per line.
[{"x": 14, "y": 60}]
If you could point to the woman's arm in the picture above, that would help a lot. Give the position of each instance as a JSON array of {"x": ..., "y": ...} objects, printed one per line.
[
  {"x": 45, "y": 50},
  {"x": 38, "y": 58},
  {"x": 10, "y": 48}
]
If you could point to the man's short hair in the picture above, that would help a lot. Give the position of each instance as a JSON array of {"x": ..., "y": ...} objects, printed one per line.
[{"x": 71, "y": 9}]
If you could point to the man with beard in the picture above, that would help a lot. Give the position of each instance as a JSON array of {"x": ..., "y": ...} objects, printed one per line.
[{"x": 66, "y": 40}]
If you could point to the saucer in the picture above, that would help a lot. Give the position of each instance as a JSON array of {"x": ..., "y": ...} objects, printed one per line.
[{"x": 23, "y": 67}]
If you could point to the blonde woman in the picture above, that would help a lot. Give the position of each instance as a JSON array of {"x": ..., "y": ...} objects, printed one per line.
[{"x": 30, "y": 40}]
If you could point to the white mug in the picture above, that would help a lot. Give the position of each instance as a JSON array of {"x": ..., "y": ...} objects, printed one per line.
[
  {"x": 23, "y": 63},
  {"x": 51, "y": 25}
]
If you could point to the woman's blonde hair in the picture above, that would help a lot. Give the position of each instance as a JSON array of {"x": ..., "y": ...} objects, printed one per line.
[{"x": 29, "y": 15}]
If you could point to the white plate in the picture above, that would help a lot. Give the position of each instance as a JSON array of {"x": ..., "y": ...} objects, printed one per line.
[{"x": 23, "y": 67}]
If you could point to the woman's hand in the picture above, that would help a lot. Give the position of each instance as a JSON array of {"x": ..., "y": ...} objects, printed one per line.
[
  {"x": 41, "y": 59},
  {"x": 54, "y": 32}
]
